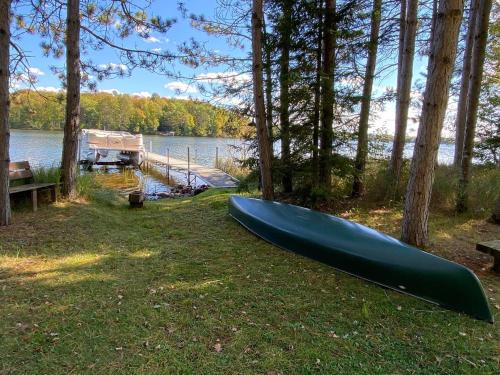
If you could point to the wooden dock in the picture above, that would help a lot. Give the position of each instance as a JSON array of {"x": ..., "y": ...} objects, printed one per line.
[{"x": 212, "y": 176}]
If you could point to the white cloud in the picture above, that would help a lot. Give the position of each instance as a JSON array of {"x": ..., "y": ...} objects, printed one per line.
[
  {"x": 156, "y": 50},
  {"x": 142, "y": 94},
  {"x": 111, "y": 91},
  {"x": 50, "y": 89},
  {"x": 152, "y": 39},
  {"x": 224, "y": 77},
  {"x": 181, "y": 87},
  {"x": 36, "y": 71},
  {"x": 113, "y": 66}
]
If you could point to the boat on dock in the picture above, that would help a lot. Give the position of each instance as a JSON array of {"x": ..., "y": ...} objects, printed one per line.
[
  {"x": 95, "y": 145},
  {"x": 365, "y": 253}
]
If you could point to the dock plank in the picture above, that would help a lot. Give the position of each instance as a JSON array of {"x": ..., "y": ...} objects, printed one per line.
[{"x": 212, "y": 176}]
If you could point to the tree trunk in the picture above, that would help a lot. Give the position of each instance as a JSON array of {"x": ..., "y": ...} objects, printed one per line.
[
  {"x": 269, "y": 86},
  {"x": 285, "y": 31},
  {"x": 476, "y": 76},
  {"x": 265, "y": 151},
  {"x": 362, "y": 149},
  {"x": 72, "y": 123},
  {"x": 440, "y": 69},
  {"x": 328, "y": 93},
  {"x": 317, "y": 97},
  {"x": 405, "y": 75},
  {"x": 464, "y": 87},
  {"x": 4, "y": 112}
]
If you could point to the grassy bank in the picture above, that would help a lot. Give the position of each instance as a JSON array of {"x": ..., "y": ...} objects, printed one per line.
[{"x": 179, "y": 287}]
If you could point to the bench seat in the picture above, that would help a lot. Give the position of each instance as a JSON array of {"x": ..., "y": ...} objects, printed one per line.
[
  {"x": 491, "y": 248},
  {"x": 21, "y": 172},
  {"x": 29, "y": 187}
]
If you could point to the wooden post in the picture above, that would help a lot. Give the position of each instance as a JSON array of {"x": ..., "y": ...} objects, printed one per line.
[
  {"x": 168, "y": 165},
  {"x": 79, "y": 147},
  {"x": 34, "y": 199},
  {"x": 217, "y": 157},
  {"x": 189, "y": 171}
]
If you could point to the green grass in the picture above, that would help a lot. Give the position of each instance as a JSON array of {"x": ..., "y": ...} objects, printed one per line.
[{"x": 180, "y": 287}]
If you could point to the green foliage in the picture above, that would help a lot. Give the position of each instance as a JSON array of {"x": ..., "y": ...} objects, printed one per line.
[
  {"x": 45, "y": 111},
  {"x": 47, "y": 174}
]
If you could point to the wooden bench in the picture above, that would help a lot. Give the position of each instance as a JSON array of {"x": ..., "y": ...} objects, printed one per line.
[
  {"x": 491, "y": 248},
  {"x": 22, "y": 171}
]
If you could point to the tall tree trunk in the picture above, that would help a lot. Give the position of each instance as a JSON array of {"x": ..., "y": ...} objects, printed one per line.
[
  {"x": 72, "y": 123},
  {"x": 464, "y": 86},
  {"x": 285, "y": 31},
  {"x": 405, "y": 75},
  {"x": 401, "y": 45},
  {"x": 435, "y": 4},
  {"x": 362, "y": 149},
  {"x": 476, "y": 76},
  {"x": 265, "y": 151},
  {"x": 269, "y": 85},
  {"x": 317, "y": 97},
  {"x": 440, "y": 68},
  {"x": 4, "y": 112},
  {"x": 327, "y": 94}
]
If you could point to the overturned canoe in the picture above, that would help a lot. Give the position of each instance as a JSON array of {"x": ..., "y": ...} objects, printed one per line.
[{"x": 365, "y": 253}]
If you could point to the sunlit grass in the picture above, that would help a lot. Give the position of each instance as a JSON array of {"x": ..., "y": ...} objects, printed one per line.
[{"x": 179, "y": 287}]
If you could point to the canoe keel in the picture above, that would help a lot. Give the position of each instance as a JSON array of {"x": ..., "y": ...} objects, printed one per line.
[{"x": 364, "y": 253}]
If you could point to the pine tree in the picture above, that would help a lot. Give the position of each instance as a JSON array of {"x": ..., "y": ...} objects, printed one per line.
[
  {"x": 362, "y": 148},
  {"x": 474, "y": 91},
  {"x": 5, "y": 216},
  {"x": 440, "y": 68},
  {"x": 265, "y": 152}
]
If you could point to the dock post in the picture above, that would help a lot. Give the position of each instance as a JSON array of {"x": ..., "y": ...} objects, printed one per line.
[
  {"x": 217, "y": 157},
  {"x": 168, "y": 165},
  {"x": 189, "y": 169}
]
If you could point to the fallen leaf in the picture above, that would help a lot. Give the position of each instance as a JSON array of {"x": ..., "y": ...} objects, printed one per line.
[{"x": 218, "y": 347}]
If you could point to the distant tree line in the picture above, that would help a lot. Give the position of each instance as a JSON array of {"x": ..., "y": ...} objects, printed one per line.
[{"x": 45, "y": 111}]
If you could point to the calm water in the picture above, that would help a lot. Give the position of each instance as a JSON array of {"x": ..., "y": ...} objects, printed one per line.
[{"x": 44, "y": 148}]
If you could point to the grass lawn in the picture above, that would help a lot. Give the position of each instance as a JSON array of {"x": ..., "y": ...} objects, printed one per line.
[{"x": 180, "y": 287}]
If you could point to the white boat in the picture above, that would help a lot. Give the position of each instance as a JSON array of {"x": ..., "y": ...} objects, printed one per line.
[{"x": 96, "y": 144}]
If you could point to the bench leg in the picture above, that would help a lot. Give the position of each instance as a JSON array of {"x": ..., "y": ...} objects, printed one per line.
[
  {"x": 34, "y": 199},
  {"x": 53, "y": 194},
  {"x": 496, "y": 263}
]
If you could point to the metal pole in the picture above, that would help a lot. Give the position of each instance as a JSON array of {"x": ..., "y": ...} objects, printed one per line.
[
  {"x": 217, "y": 157},
  {"x": 189, "y": 171}
]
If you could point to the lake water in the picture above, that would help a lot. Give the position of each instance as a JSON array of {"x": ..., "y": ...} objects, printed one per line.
[{"x": 42, "y": 148}]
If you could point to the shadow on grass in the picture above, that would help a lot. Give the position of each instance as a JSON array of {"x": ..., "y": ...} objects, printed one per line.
[{"x": 180, "y": 287}]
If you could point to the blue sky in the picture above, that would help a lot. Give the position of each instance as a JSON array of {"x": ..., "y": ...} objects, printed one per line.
[{"x": 142, "y": 82}]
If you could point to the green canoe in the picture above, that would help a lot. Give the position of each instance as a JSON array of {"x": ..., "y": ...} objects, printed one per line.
[{"x": 365, "y": 253}]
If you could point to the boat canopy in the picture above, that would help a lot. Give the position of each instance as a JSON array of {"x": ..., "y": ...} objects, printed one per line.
[{"x": 96, "y": 139}]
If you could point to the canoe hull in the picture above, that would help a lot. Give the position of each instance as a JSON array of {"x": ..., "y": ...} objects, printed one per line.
[{"x": 364, "y": 253}]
